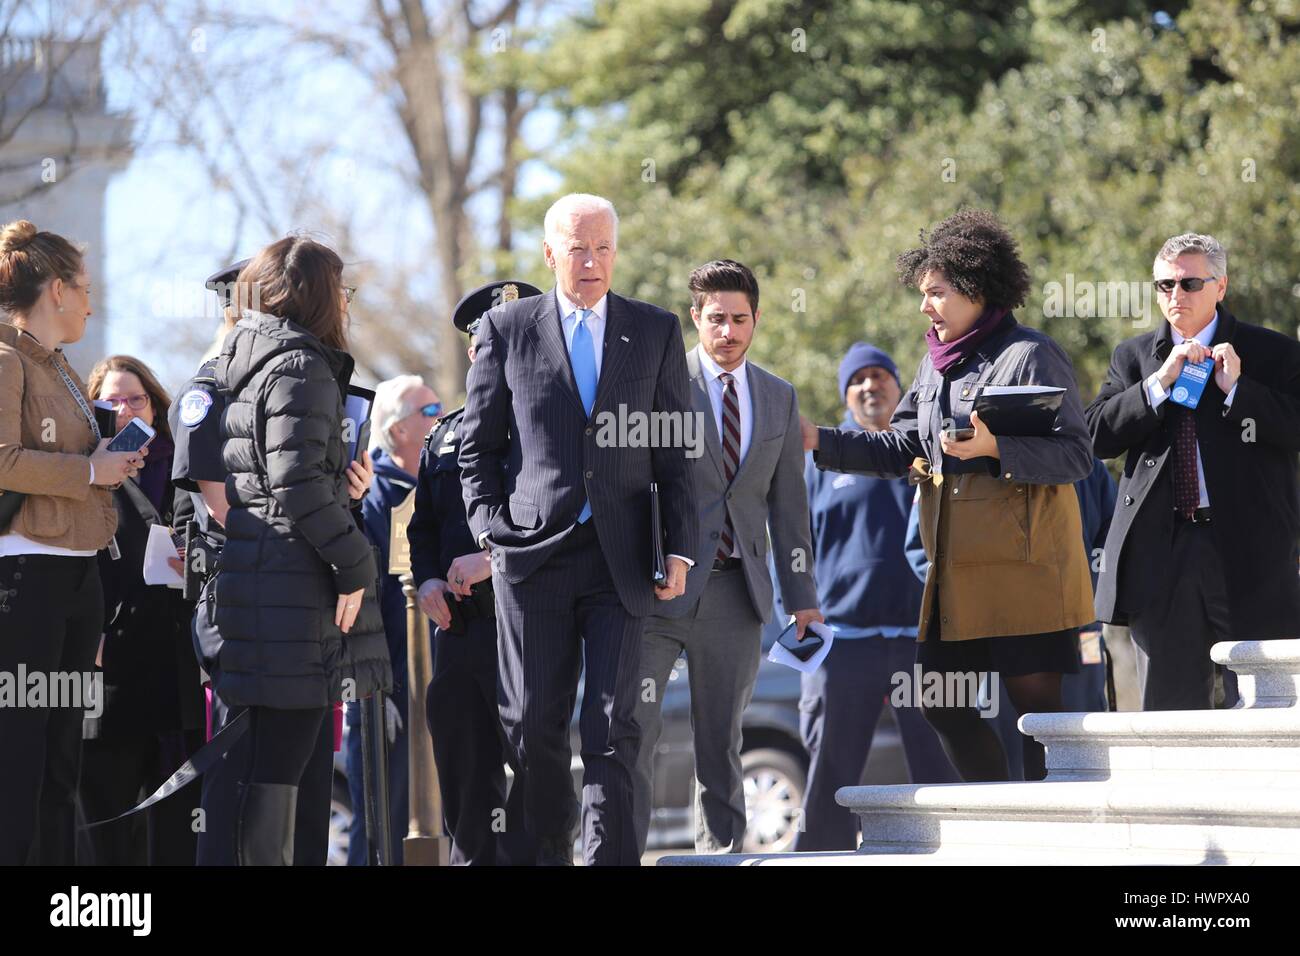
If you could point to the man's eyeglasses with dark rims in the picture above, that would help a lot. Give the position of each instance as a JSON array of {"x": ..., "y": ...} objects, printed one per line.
[
  {"x": 432, "y": 410},
  {"x": 1188, "y": 284},
  {"x": 135, "y": 402}
]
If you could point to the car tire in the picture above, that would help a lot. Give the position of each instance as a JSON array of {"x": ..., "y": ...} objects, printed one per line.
[
  {"x": 340, "y": 823},
  {"x": 774, "y": 786}
]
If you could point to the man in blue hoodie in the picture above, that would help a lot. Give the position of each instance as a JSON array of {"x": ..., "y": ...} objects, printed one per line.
[
  {"x": 403, "y": 410},
  {"x": 871, "y": 597}
]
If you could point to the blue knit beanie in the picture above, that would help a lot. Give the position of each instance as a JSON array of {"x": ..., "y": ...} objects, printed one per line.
[{"x": 862, "y": 355}]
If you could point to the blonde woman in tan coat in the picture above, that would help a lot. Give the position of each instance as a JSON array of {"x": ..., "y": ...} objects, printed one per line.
[{"x": 54, "y": 467}]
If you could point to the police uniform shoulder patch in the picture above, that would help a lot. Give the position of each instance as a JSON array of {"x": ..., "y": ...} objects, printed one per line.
[
  {"x": 445, "y": 434},
  {"x": 194, "y": 406},
  {"x": 439, "y": 429}
]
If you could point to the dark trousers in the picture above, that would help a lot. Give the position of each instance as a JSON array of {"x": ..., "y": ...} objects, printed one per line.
[
  {"x": 566, "y": 616},
  {"x": 839, "y": 707},
  {"x": 1173, "y": 636},
  {"x": 399, "y": 784},
  {"x": 51, "y": 614},
  {"x": 1085, "y": 692},
  {"x": 283, "y": 741},
  {"x": 119, "y": 770},
  {"x": 486, "y": 824},
  {"x": 220, "y": 794}
]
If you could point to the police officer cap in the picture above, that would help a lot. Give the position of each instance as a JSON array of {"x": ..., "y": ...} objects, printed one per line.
[
  {"x": 223, "y": 281},
  {"x": 474, "y": 303}
]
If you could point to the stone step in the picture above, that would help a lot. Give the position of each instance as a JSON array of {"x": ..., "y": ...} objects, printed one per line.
[
  {"x": 986, "y": 856},
  {"x": 1258, "y": 746},
  {"x": 1162, "y": 788},
  {"x": 1268, "y": 672},
  {"x": 1212, "y": 822}
]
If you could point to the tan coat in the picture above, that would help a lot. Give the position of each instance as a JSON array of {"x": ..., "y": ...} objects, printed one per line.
[
  {"x": 1006, "y": 558},
  {"x": 45, "y": 443}
]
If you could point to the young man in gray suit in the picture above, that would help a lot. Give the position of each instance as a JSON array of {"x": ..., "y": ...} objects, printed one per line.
[
  {"x": 750, "y": 480},
  {"x": 566, "y": 518}
]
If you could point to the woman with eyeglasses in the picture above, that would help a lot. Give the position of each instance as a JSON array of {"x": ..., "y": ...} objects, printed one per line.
[
  {"x": 295, "y": 598},
  {"x": 56, "y": 512},
  {"x": 1008, "y": 586},
  {"x": 153, "y": 717},
  {"x": 198, "y": 469}
]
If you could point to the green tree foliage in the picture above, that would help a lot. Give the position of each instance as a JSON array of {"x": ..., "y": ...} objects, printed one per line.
[{"x": 1095, "y": 130}]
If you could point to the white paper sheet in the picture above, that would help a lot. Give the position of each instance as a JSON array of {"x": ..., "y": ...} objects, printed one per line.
[
  {"x": 779, "y": 655},
  {"x": 157, "y": 550}
]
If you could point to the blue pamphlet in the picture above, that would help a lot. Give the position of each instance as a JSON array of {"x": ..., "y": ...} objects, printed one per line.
[{"x": 1191, "y": 382}]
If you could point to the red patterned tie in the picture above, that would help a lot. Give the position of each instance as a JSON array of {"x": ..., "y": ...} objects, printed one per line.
[
  {"x": 730, "y": 453},
  {"x": 1187, "y": 492}
]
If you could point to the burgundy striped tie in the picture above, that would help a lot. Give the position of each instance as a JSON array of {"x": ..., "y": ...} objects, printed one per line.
[{"x": 730, "y": 453}]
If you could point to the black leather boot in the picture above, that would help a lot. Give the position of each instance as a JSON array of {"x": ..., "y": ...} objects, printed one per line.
[{"x": 264, "y": 830}]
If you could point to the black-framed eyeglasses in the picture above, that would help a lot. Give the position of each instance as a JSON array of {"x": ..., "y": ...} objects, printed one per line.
[
  {"x": 348, "y": 292},
  {"x": 432, "y": 410},
  {"x": 1187, "y": 283}
]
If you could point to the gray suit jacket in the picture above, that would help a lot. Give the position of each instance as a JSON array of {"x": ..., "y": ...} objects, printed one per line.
[{"x": 767, "y": 492}]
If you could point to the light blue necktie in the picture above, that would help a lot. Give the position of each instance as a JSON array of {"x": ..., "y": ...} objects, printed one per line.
[{"x": 582, "y": 353}]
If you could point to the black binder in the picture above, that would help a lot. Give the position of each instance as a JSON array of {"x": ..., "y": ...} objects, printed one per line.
[
  {"x": 1020, "y": 411},
  {"x": 658, "y": 569}
]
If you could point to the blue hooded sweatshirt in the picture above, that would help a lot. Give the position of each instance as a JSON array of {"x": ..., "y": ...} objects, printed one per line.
[
  {"x": 859, "y": 525},
  {"x": 389, "y": 489}
]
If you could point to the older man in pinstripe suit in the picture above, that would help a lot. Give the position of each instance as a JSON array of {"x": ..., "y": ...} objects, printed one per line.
[{"x": 566, "y": 517}]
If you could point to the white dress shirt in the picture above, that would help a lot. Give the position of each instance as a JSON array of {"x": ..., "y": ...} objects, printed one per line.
[
  {"x": 1157, "y": 395},
  {"x": 595, "y": 324}
]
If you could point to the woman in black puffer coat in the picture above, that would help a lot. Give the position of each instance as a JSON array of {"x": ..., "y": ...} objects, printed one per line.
[{"x": 295, "y": 598}]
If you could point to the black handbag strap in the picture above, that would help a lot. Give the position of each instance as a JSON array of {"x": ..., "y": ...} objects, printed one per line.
[{"x": 199, "y": 763}]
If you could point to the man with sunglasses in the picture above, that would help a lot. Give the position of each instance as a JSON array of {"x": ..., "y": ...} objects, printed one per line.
[
  {"x": 1205, "y": 539},
  {"x": 403, "y": 410},
  {"x": 453, "y": 577}
]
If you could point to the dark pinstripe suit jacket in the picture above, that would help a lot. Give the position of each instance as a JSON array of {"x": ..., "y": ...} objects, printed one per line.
[{"x": 529, "y": 456}]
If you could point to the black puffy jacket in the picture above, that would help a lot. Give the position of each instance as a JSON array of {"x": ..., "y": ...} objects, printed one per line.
[{"x": 292, "y": 542}]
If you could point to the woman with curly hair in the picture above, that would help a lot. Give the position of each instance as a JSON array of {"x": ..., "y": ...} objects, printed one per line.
[{"x": 1008, "y": 586}]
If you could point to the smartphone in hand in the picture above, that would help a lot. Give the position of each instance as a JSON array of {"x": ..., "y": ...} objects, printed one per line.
[
  {"x": 805, "y": 649},
  {"x": 133, "y": 437}
]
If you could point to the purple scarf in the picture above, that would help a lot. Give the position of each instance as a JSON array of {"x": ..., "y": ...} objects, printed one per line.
[
  {"x": 945, "y": 355},
  {"x": 156, "y": 471}
]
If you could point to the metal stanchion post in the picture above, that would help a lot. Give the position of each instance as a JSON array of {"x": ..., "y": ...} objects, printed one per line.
[
  {"x": 374, "y": 761},
  {"x": 425, "y": 843}
]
